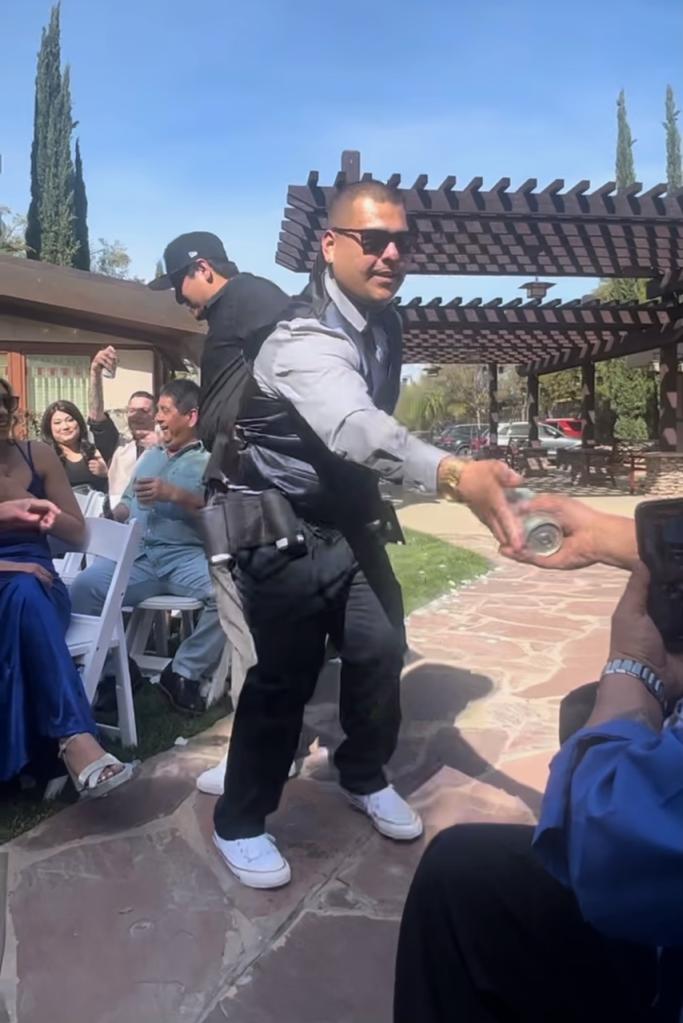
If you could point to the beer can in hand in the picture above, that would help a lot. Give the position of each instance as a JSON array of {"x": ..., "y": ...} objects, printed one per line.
[{"x": 543, "y": 534}]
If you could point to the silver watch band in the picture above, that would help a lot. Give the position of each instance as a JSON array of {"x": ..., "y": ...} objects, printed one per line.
[{"x": 651, "y": 681}]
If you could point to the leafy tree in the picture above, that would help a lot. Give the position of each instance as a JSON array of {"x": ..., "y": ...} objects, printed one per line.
[
  {"x": 421, "y": 405},
  {"x": 674, "y": 176},
  {"x": 111, "y": 259},
  {"x": 12, "y": 228},
  {"x": 564, "y": 386}
]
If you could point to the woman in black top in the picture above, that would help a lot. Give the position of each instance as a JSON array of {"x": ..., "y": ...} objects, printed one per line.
[{"x": 64, "y": 428}]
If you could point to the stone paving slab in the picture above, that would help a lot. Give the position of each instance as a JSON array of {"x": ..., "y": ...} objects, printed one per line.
[{"x": 121, "y": 911}]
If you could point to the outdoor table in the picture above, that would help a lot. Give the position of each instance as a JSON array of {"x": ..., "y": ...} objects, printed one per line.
[{"x": 589, "y": 464}]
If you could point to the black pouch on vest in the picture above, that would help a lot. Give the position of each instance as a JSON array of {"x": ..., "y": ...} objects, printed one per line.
[
  {"x": 243, "y": 519},
  {"x": 387, "y": 527}
]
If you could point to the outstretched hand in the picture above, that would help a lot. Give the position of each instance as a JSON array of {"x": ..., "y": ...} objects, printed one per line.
[
  {"x": 590, "y": 536},
  {"x": 482, "y": 487}
]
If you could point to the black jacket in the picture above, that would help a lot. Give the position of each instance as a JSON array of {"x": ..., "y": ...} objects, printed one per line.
[{"x": 239, "y": 316}]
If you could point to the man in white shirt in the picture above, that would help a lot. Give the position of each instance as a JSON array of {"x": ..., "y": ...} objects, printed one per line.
[{"x": 119, "y": 453}]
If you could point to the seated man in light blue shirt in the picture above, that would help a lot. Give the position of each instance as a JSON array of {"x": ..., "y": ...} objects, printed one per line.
[{"x": 164, "y": 494}]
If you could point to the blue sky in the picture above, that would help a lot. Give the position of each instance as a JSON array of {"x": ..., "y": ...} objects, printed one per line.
[{"x": 196, "y": 116}]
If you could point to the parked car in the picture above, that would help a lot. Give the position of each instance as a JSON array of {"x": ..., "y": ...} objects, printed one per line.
[
  {"x": 570, "y": 426},
  {"x": 458, "y": 438},
  {"x": 551, "y": 439}
]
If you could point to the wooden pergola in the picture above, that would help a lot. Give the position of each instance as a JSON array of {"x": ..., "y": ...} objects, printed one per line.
[{"x": 551, "y": 231}]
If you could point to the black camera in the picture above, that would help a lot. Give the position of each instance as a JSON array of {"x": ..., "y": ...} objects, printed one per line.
[{"x": 659, "y": 528}]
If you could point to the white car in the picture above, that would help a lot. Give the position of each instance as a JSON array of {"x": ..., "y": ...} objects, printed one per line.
[{"x": 551, "y": 439}]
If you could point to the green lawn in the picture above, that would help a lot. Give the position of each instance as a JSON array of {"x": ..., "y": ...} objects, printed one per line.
[{"x": 426, "y": 568}]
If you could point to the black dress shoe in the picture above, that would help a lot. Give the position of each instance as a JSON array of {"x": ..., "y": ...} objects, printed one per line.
[
  {"x": 182, "y": 693},
  {"x": 105, "y": 698}
]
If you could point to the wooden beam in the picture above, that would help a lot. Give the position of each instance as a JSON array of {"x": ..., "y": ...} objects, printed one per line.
[
  {"x": 493, "y": 402},
  {"x": 532, "y": 399},
  {"x": 588, "y": 404},
  {"x": 668, "y": 398}
]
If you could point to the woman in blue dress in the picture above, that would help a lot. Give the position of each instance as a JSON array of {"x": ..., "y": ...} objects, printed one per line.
[{"x": 42, "y": 700}]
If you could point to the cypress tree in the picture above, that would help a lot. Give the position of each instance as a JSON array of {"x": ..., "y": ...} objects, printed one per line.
[
  {"x": 625, "y": 171},
  {"x": 82, "y": 257},
  {"x": 48, "y": 86},
  {"x": 674, "y": 176},
  {"x": 58, "y": 241}
]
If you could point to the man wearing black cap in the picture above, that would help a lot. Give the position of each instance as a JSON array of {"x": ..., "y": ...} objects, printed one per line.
[{"x": 241, "y": 310}]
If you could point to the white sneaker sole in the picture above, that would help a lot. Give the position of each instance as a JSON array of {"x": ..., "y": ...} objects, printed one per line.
[
  {"x": 212, "y": 785},
  {"x": 390, "y": 829},
  {"x": 257, "y": 878},
  {"x": 209, "y": 786}
]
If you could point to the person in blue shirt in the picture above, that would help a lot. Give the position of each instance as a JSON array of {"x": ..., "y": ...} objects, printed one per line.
[
  {"x": 581, "y": 920},
  {"x": 164, "y": 494}
]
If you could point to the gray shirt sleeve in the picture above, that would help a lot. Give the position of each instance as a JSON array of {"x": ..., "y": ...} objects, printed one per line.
[{"x": 318, "y": 370}]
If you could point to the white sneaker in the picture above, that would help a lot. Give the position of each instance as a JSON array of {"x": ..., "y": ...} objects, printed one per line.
[
  {"x": 212, "y": 781},
  {"x": 256, "y": 862},
  {"x": 390, "y": 813}
]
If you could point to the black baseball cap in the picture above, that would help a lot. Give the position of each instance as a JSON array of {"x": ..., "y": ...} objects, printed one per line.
[{"x": 184, "y": 250}]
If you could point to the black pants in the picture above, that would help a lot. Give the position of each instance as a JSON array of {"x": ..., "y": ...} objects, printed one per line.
[
  {"x": 489, "y": 937},
  {"x": 342, "y": 589}
]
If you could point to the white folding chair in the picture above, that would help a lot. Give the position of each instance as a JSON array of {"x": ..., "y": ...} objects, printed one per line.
[
  {"x": 91, "y": 637},
  {"x": 91, "y": 503},
  {"x": 140, "y": 627}
]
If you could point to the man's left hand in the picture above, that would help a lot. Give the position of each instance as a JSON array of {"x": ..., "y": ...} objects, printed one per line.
[
  {"x": 149, "y": 440},
  {"x": 635, "y": 636},
  {"x": 482, "y": 486},
  {"x": 148, "y": 490}
]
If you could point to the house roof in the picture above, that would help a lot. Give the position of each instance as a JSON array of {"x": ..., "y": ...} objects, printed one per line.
[{"x": 41, "y": 302}]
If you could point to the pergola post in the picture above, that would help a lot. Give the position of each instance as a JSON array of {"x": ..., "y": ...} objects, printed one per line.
[
  {"x": 588, "y": 404},
  {"x": 668, "y": 397},
  {"x": 493, "y": 403},
  {"x": 532, "y": 404}
]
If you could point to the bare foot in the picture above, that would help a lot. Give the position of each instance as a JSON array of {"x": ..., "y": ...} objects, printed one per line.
[{"x": 82, "y": 750}]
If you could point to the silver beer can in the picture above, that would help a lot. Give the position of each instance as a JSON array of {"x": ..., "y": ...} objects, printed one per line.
[{"x": 543, "y": 534}]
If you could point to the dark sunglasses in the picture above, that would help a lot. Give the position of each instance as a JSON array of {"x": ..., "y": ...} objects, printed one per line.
[
  {"x": 177, "y": 279},
  {"x": 374, "y": 240},
  {"x": 10, "y": 401}
]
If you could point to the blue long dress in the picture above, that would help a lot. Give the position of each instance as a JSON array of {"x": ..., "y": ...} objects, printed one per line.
[{"x": 41, "y": 693}]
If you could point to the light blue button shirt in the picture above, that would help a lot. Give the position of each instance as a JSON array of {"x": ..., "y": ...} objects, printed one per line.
[{"x": 168, "y": 526}]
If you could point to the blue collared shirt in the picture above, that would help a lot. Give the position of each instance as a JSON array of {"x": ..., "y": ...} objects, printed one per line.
[
  {"x": 167, "y": 526},
  {"x": 611, "y": 829}
]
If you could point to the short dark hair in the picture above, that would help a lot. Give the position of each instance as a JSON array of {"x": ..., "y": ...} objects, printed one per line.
[
  {"x": 142, "y": 394},
  {"x": 185, "y": 394},
  {"x": 226, "y": 270},
  {"x": 371, "y": 189}
]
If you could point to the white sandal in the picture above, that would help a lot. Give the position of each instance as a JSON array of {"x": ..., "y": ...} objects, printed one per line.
[{"x": 89, "y": 783}]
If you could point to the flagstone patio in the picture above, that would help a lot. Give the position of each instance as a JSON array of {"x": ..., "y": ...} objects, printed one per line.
[{"x": 120, "y": 911}]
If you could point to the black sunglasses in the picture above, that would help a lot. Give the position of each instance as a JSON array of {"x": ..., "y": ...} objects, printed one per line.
[
  {"x": 177, "y": 280},
  {"x": 374, "y": 240},
  {"x": 10, "y": 401}
]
